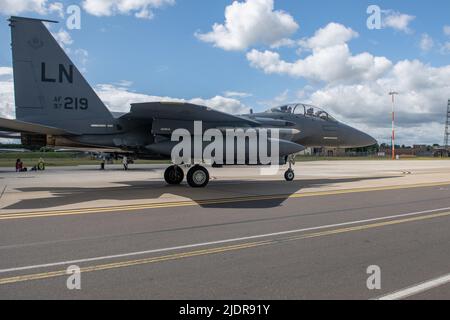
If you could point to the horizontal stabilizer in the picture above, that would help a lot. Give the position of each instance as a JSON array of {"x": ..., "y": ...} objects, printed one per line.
[{"x": 27, "y": 127}]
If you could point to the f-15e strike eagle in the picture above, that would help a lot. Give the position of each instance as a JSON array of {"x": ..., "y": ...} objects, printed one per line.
[{"x": 56, "y": 105}]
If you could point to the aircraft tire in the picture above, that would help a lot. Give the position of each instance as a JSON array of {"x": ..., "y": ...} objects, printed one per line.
[
  {"x": 197, "y": 177},
  {"x": 174, "y": 175},
  {"x": 289, "y": 175}
]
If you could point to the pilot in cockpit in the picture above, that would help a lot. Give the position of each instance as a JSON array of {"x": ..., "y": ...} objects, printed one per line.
[
  {"x": 310, "y": 112},
  {"x": 322, "y": 115}
]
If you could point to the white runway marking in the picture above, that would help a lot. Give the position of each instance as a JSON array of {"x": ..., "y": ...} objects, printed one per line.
[
  {"x": 422, "y": 287},
  {"x": 189, "y": 246}
]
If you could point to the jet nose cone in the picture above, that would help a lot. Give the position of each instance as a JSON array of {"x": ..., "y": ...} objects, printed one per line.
[
  {"x": 354, "y": 138},
  {"x": 365, "y": 140},
  {"x": 372, "y": 141}
]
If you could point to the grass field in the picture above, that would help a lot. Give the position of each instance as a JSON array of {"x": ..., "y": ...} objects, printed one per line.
[{"x": 73, "y": 159}]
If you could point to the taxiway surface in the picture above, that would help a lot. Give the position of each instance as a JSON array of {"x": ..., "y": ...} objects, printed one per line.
[{"x": 245, "y": 236}]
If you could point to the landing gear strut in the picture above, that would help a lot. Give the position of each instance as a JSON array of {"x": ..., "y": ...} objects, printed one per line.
[
  {"x": 174, "y": 175},
  {"x": 289, "y": 175},
  {"x": 197, "y": 177}
]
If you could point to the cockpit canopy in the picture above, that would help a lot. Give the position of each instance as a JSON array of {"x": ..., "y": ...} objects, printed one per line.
[{"x": 305, "y": 110}]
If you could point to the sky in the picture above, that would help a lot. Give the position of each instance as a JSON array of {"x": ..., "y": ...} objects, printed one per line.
[{"x": 256, "y": 54}]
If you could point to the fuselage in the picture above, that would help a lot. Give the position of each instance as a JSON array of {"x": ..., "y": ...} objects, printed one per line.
[{"x": 312, "y": 127}]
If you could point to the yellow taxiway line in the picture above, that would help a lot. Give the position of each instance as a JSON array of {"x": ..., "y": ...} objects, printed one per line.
[
  {"x": 158, "y": 205},
  {"x": 217, "y": 250}
]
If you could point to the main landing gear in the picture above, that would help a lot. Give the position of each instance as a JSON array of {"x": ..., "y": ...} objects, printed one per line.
[
  {"x": 174, "y": 175},
  {"x": 197, "y": 176},
  {"x": 289, "y": 175}
]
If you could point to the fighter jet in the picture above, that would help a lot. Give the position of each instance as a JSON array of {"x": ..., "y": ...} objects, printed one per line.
[{"x": 55, "y": 106}]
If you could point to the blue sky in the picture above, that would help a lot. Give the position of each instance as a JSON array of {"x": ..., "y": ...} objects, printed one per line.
[{"x": 164, "y": 57}]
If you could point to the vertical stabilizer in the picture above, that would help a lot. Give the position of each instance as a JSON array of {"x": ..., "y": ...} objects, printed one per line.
[{"x": 48, "y": 88}]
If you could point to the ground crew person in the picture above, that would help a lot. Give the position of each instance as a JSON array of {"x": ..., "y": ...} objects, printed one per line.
[
  {"x": 19, "y": 165},
  {"x": 125, "y": 163},
  {"x": 41, "y": 164},
  {"x": 102, "y": 164}
]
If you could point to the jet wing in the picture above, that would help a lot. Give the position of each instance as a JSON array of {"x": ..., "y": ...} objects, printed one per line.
[
  {"x": 27, "y": 127},
  {"x": 185, "y": 112}
]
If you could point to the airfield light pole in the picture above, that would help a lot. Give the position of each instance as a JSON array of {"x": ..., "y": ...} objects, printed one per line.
[
  {"x": 447, "y": 128},
  {"x": 393, "y": 94}
]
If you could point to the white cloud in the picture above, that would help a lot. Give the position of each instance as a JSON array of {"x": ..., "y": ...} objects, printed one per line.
[
  {"x": 6, "y": 93},
  {"x": 446, "y": 30},
  {"x": 305, "y": 92},
  {"x": 140, "y": 8},
  {"x": 57, "y": 7},
  {"x": 281, "y": 99},
  {"x": 426, "y": 42},
  {"x": 250, "y": 23},
  {"x": 6, "y": 72},
  {"x": 14, "y": 7},
  {"x": 330, "y": 60},
  {"x": 125, "y": 83},
  {"x": 223, "y": 104},
  {"x": 63, "y": 37},
  {"x": 285, "y": 42},
  {"x": 398, "y": 21},
  {"x": 119, "y": 98},
  {"x": 331, "y": 35},
  {"x": 80, "y": 57},
  {"x": 236, "y": 94}
]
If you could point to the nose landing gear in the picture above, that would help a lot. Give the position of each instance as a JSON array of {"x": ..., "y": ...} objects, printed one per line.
[{"x": 289, "y": 175}]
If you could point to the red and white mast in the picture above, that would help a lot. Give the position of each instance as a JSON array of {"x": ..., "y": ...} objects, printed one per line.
[{"x": 393, "y": 94}]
